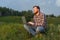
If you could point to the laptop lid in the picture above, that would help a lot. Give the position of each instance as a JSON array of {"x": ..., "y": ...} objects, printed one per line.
[{"x": 23, "y": 19}]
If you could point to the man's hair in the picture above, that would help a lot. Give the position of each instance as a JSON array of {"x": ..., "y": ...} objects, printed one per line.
[{"x": 37, "y": 7}]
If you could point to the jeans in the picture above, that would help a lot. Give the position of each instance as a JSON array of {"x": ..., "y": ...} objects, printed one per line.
[{"x": 33, "y": 30}]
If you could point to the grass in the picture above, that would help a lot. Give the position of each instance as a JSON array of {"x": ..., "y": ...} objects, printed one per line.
[
  {"x": 11, "y": 19},
  {"x": 12, "y": 29}
]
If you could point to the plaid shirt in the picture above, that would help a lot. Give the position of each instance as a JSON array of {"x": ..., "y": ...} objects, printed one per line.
[{"x": 39, "y": 20}]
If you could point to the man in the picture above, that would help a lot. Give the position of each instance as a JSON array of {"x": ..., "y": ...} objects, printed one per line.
[{"x": 39, "y": 22}]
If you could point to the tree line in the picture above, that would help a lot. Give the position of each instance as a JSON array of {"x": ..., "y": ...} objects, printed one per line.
[{"x": 10, "y": 12}]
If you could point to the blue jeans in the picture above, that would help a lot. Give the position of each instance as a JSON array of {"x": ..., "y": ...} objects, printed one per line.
[{"x": 33, "y": 30}]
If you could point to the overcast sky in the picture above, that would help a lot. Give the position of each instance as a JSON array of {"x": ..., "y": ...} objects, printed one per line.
[{"x": 47, "y": 6}]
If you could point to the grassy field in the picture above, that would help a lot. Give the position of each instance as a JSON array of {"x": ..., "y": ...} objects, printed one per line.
[{"x": 11, "y": 28}]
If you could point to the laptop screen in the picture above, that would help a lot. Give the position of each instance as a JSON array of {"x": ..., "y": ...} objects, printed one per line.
[{"x": 23, "y": 19}]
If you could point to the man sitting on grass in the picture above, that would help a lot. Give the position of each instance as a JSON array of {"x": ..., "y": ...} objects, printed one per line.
[{"x": 38, "y": 24}]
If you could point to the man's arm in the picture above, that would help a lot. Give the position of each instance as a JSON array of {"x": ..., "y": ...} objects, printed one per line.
[
  {"x": 30, "y": 23},
  {"x": 42, "y": 20}
]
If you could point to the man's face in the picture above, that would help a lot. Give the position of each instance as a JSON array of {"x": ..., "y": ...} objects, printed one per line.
[{"x": 35, "y": 10}]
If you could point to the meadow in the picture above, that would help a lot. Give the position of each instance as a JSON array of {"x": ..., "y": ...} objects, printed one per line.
[{"x": 11, "y": 28}]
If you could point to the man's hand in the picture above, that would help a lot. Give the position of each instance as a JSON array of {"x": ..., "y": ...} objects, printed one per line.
[{"x": 31, "y": 23}]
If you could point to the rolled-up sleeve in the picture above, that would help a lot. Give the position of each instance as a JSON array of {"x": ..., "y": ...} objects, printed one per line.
[{"x": 42, "y": 20}]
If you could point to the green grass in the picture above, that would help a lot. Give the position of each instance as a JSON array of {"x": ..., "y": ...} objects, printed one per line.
[
  {"x": 11, "y": 19},
  {"x": 12, "y": 29}
]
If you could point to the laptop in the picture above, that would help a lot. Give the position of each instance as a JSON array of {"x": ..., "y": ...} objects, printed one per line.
[{"x": 23, "y": 19}]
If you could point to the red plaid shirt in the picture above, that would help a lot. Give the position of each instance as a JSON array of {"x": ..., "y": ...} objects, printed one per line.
[{"x": 40, "y": 20}]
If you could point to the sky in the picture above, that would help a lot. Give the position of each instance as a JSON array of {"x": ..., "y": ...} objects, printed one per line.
[{"x": 47, "y": 6}]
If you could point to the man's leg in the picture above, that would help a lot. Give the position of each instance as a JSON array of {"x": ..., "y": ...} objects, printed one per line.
[
  {"x": 29, "y": 29},
  {"x": 40, "y": 29}
]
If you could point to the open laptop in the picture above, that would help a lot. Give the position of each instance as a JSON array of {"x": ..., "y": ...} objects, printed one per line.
[{"x": 23, "y": 19}]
